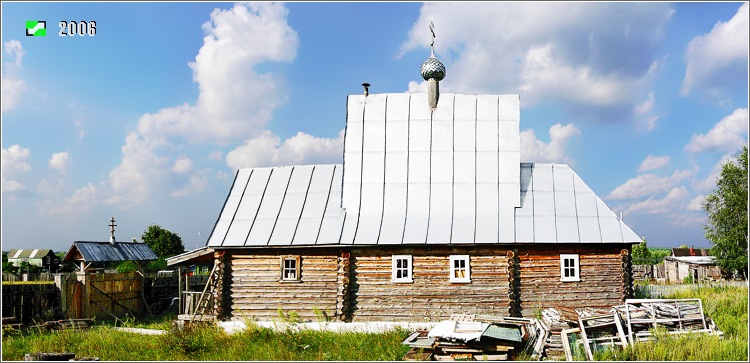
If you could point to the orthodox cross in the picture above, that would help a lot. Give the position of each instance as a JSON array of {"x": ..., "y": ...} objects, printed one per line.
[
  {"x": 432, "y": 44},
  {"x": 112, "y": 225}
]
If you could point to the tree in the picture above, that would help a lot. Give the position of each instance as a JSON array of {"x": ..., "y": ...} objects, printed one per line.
[
  {"x": 727, "y": 216},
  {"x": 641, "y": 253},
  {"x": 163, "y": 242}
]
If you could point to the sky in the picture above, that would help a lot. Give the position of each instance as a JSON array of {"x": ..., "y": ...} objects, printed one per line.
[{"x": 148, "y": 120}]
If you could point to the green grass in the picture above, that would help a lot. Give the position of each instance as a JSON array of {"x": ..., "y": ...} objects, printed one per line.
[
  {"x": 727, "y": 306},
  {"x": 209, "y": 343}
]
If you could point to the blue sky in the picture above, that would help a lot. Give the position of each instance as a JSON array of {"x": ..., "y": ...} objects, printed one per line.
[{"x": 149, "y": 119}]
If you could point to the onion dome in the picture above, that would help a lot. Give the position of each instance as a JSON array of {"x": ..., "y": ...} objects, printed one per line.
[{"x": 432, "y": 68}]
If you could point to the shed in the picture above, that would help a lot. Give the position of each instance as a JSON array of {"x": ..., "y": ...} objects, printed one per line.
[
  {"x": 431, "y": 214},
  {"x": 85, "y": 253},
  {"x": 45, "y": 258},
  {"x": 695, "y": 268}
]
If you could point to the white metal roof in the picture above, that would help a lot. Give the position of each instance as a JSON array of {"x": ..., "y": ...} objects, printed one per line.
[{"x": 412, "y": 176}]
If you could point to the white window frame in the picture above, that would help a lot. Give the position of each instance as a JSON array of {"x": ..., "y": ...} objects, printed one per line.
[
  {"x": 467, "y": 267},
  {"x": 297, "y": 269},
  {"x": 576, "y": 268},
  {"x": 409, "y": 268}
]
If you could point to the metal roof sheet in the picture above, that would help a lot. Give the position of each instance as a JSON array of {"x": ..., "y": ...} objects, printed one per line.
[
  {"x": 28, "y": 253},
  {"x": 107, "y": 252},
  {"x": 411, "y": 177}
]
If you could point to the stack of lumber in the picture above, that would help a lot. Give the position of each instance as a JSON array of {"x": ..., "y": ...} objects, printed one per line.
[
  {"x": 11, "y": 323},
  {"x": 471, "y": 337}
]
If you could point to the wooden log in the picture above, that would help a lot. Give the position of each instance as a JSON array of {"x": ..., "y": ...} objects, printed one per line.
[{"x": 49, "y": 356}]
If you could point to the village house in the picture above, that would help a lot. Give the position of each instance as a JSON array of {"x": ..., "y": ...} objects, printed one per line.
[
  {"x": 44, "y": 258},
  {"x": 692, "y": 264},
  {"x": 431, "y": 213}
]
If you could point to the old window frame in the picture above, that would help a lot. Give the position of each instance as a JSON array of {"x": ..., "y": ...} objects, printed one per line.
[
  {"x": 466, "y": 268},
  {"x": 565, "y": 266},
  {"x": 296, "y": 268},
  {"x": 396, "y": 268}
]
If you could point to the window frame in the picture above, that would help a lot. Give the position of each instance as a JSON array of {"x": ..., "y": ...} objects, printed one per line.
[
  {"x": 297, "y": 268},
  {"x": 576, "y": 267},
  {"x": 409, "y": 269},
  {"x": 467, "y": 267}
]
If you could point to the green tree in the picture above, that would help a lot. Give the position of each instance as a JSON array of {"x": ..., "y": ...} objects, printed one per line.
[
  {"x": 163, "y": 242},
  {"x": 641, "y": 253},
  {"x": 727, "y": 216},
  {"x": 683, "y": 246}
]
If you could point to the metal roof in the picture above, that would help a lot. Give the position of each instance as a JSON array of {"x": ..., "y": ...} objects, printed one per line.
[
  {"x": 698, "y": 260},
  {"x": 30, "y": 253},
  {"x": 106, "y": 252},
  {"x": 411, "y": 176}
]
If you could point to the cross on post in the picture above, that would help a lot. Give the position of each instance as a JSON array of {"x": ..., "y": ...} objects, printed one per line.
[
  {"x": 432, "y": 44},
  {"x": 112, "y": 225}
]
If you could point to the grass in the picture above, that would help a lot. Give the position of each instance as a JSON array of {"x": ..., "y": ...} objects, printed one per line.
[
  {"x": 727, "y": 306},
  {"x": 208, "y": 343}
]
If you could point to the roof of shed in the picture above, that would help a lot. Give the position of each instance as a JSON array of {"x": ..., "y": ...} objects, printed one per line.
[
  {"x": 28, "y": 253},
  {"x": 684, "y": 252},
  {"x": 107, "y": 252}
]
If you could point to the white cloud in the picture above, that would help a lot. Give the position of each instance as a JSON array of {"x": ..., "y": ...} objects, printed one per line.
[
  {"x": 649, "y": 124},
  {"x": 11, "y": 186},
  {"x": 653, "y": 162},
  {"x": 15, "y": 158},
  {"x": 196, "y": 183},
  {"x": 267, "y": 150},
  {"x": 60, "y": 162},
  {"x": 669, "y": 203},
  {"x": 535, "y": 150},
  {"x": 696, "y": 204},
  {"x": 709, "y": 183},
  {"x": 649, "y": 184},
  {"x": 597, "y": 58},
  {"x": 182, "y": 165},
  {"x": 12, "y": 87},
  {"x": 235, "y": 101},
  {"x": 729, "y": 134},
  {"x": 646, "y": 106},
  {"x": 51, "y": 187},
  {"x": 82, "y": 200},
  {"x": 719, "y": 57}
]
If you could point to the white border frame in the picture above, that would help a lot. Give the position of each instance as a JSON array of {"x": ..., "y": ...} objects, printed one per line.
[
  {"x": 452, "y": 269},
  {"x": 410, "y": 268},
  {"x": 577, "y": 267}
]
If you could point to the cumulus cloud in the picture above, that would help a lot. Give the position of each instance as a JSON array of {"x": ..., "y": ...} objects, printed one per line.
[
  {"x": 729, "y": 134},
  {"x": 12, "y": 86},
  {"x": 720, "y": 56},
  {"x": 696, "y": 204},
  {"x": 60, "y": 162},
  {"x": 535, "y": 150},
  {"x": 649, "y": 184},
  {"x": 235, "y": 102},
  {"x": 652, "y": 205},
  {"x": 709, "y": 183},
  {"x": 268, "y": 150},
  {"x": 596, "y": 58},
  {"x": 182, "y": 165},
  {"x": 15, "y": 163},
  {"x": 653, "y": 162},
  {"x": 649, "y": 123},
  {"x": 82, "y": 200}
]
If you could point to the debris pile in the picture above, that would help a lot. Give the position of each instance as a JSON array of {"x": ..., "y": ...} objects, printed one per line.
[
  {"x": 561, "y": 333},
  {"x": 475, "y": 337}
]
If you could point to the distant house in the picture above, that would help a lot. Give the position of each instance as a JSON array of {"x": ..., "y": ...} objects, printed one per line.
[
  {"x": 691, "y": 262},
  {"x": 44, "y": 258},
  {"x": 84, "y": 254}
]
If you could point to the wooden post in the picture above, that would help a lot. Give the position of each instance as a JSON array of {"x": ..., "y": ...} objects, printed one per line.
[
  {"x": 60, "y": 283},
  {"x": 179, "y": 291},
  {"x": 85, "y": 295}
]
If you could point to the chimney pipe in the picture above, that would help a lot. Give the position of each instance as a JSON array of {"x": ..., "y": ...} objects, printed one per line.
[{"x": 366, "y": 86}]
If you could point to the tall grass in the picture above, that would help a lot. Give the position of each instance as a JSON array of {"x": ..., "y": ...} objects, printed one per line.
[
  {"x": 727, "y": 306},
  {"x": 211, "y": 343}
]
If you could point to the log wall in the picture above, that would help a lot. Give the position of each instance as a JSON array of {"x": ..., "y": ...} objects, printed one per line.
[
  {"x": 431, "y": 297},
  {"x": 256, "y": 291},
  {"x": 600, "y": 273}
]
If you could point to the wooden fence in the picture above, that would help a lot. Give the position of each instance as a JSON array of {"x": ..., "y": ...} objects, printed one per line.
[
  {"x": 39, "y": 276},
  {"x": 102, "y": 295},
  {"x": 656, "y": 291},
  {"x": 29, "y": 302}
]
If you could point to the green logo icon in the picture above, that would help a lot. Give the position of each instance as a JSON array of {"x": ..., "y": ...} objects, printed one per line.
[{"x": 36, "y": 28}]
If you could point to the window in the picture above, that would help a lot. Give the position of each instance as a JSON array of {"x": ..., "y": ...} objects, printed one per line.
[
  {"x": 401, "y": 268},
  {"x": 290, "y": 268},
  {"x": 570, "y": 269},
  {"x": 460, "y": 269}
]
